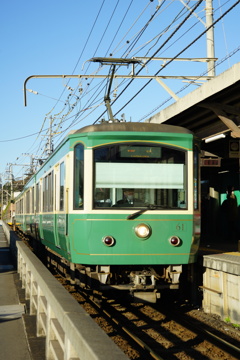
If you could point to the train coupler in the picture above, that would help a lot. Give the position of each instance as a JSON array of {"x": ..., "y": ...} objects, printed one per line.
[{"x": 145, "y": 296}]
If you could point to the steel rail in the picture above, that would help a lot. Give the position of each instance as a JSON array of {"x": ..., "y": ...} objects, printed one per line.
[{"x": 126, "y": 330}]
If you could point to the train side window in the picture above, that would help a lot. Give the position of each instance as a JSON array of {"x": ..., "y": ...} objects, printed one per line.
[
  {"x": 50, "y": 187},
  {"x": 62, "y": 186},
  {"x": 78, "y": 176},
  {"x": 37, "y": 198},
  {"x": 48, "y": 193},
  {"x": 45, "y": 190},
  {"x": 32, "y": 208},
  {"x": 45, "y": 194},
  {"x": 28, "y": 202}
]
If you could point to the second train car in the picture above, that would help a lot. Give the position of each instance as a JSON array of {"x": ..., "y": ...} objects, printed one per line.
[{"x": 120, "y": 202}]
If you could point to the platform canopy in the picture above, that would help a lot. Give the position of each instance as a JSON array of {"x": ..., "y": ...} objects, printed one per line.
[{"x": 211, "y": 109}]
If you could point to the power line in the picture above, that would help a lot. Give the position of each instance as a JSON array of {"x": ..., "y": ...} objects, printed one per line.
[
  {"x": 132, "y": 25},
  {"x": 186, "y": 18},
  {"x": 65, "y": 115},
  {"x": 20, "y": 138},
  {"x": 24, "y": 137},
  {"x": 89, "y": 35},
  {"x": 119, "y": 27},
  {"x": 186, "y": 86},
  {"x": 189, "y": 45}
]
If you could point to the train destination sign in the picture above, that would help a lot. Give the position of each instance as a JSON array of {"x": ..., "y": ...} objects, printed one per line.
[{"x": 140, "y": 151}]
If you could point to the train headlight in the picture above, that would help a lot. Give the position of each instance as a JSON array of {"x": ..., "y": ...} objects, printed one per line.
[
  {"x": 143, "y": 231},
  {"x": 108, "y": 241},
  {"x": 174, "y": 240}
]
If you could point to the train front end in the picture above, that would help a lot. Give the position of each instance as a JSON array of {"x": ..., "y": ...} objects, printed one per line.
[{"x": 135, "y": 207}]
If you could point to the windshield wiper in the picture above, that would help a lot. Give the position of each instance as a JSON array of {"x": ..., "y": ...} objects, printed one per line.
[{"x": 139, "y": 212}]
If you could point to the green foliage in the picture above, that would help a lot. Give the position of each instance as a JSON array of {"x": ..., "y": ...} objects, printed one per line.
[
  {"x": 228, "y": 320},
  {"x": 6, "y": 212},
  {"x": 237, "y": 326}
]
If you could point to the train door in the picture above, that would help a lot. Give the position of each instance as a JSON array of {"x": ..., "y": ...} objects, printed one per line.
[
  {"x": 56, "y": 201},
  {"x": 60, "y": 203}
]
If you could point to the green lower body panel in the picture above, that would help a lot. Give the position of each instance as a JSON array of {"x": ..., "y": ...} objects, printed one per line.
[{"x": 79, "y": 238}]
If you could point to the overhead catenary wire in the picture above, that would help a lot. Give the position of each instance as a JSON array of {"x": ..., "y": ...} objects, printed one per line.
[
  {"x": 88, "y": 38},
  {"x": 179, "y": 53},
  {"x": 188, "y": 30},
  {"x": 186, "y": 18},
  {"x": 59, "y": 99},
  {"x": 141, "y": 32},
  {"x": 89, "y": 35},
  {"x": 132, "y": 25},
  {"x": 79, "y": 58},
  {"x": 122, "y": 108},
  {"x": 119, "y": 27},
  {"x": 187, "y": 85},
  {"x": 102, "y": 34},
  {"x": 69, "y": 118},
  {"x": 144, "y": 28},
  {"x": 45, "y": 129},
  {"x": 163, "y": 32},
  {"x": 223, "y": 29},
  {"x": 99, "y": 44},
  {"x": 155, "y": 12}
]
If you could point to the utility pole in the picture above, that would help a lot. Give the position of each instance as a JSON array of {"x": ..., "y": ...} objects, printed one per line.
[
  {"x": 210, "y": 38},
  {"x": 50, "y": 138},
  {"x": 31, "y": 166},
  {"x": 2, "y": 195},
  {"x": 10, "y": 178},
  {"x": 210, "y": 34},
  {"x": 49, "y": 143},
  {"x": 10, "y": 171}
]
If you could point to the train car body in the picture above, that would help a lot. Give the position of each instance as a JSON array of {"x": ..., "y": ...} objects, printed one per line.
[{"x": 120, "y": 201}]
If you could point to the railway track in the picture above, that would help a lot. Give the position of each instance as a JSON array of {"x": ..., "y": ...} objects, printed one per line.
[
  {"x": 164, "y": 331},
  {"x": 145, "y": 331}
]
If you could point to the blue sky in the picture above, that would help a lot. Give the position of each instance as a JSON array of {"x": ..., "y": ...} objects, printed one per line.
[{"x": 59, "y": 37}]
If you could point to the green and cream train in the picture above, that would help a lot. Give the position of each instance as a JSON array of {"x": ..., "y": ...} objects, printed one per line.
[{"x": 120, "y": 202}]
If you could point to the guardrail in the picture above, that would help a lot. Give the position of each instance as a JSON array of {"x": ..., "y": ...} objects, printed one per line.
[{"x": 71, "y": 334}]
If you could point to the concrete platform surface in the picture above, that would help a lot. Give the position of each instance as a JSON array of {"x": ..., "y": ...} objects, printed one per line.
[
  {"x": 227, "y": 262},
  {"x": 13, "y": 339}
]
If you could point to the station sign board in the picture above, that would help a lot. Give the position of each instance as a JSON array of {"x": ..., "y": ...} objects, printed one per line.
[
  {"x": 211, "y": 162},
  {"x": 234, "y": 148}
]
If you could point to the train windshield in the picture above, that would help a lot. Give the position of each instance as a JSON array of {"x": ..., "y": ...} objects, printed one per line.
[{"x": 138, "y": 175}]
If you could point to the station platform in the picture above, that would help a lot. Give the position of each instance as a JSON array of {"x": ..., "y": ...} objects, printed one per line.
[
  {"x": 13, "y": 338},
  {"x": 221, "y": 285}
]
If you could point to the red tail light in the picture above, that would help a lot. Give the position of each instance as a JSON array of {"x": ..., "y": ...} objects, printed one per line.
[
  {"x": 108, "y": 240},
  {"x": 174, "y": 240}
]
